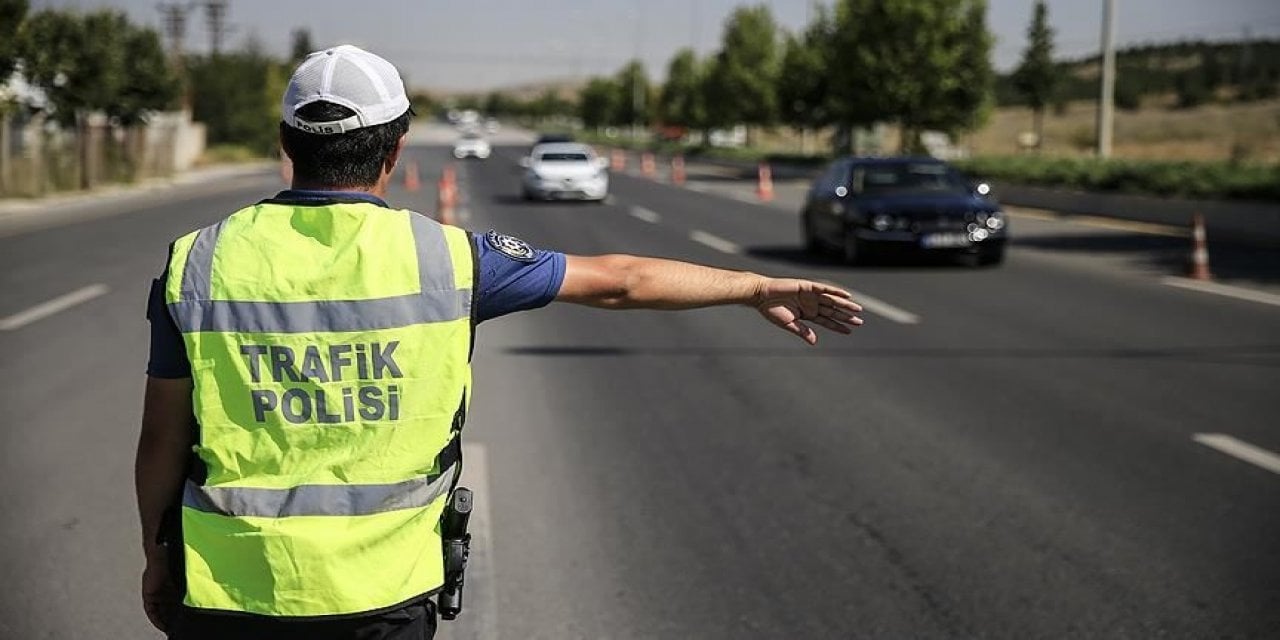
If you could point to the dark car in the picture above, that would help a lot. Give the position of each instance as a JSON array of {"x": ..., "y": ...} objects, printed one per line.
[{"x": 862, "y": 205}]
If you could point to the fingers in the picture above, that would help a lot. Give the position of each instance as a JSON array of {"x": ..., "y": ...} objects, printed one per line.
[
  {"x": 845, "y": 303},
  {"x": 833, "y": 325},
  {"x": 802, "y": 330},
  {"x": 836, "y": 292}
]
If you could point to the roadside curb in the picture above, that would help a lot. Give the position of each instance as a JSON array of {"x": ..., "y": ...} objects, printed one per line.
[
  {"x": 15, "y": 207},
  {"x": 18, "y": 216}
]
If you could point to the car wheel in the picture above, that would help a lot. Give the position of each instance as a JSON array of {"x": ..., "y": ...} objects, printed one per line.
[
  {"x": 851, "y": 248},
  {"x": 991, "y": 257}
]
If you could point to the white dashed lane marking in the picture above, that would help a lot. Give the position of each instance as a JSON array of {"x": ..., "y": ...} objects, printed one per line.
[
  {"x": 641, "y": 213},
  {"x": 715, "y": 242},
  {"x": 1227, "y": 290},
  {"x": 880, "y": 307},
  {"x": 46, "y": 309},
  {"x": 1240, "y": 450}
]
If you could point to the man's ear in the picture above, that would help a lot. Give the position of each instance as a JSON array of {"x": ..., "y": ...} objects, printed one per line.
[{"x": 394, "y": 158}]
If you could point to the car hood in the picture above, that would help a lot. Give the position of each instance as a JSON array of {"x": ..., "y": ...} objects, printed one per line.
[
  {"x": 926, "y": 204},
  {"x": 565, "y": 169}
]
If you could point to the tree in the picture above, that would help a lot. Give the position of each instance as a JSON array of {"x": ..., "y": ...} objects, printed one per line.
[
  {"x": 498, "y": 103},
  {"x": 150, "y": 84},
  {"x": 740, "y": 86},
  {"x": 680, "y": 103},
  {"x": 549, "y": 104},
  {"x": 11, "y": 14},
  {"x": 924, "y": 64},
  {"x": 803, "y": 100},
  {"x": 233, "y": 114},
  {"x": 1036, "y": 77},
  {"x": 598, "y": 103},
  {"x": 634, "y": 103},
  {"x": 301, "y": 44}
]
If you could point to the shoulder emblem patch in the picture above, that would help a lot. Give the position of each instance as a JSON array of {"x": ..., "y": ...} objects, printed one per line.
[{"x": 510, "y": 246}]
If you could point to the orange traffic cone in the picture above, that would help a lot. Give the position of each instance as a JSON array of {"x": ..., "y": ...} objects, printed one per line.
[
  {"x": 446, "y": 195},
  {"x": 647, "y": 166},
  {"x": 764, "y": 182},
  {"x": 677, "y": 170},
  {"x": 617, "y": 160},
  {"x": 1199, "y": 250},
  {"x": 412, "y": 181}
]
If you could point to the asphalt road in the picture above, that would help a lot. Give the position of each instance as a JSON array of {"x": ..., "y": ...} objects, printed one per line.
[{"x": 1004, "y": 453}]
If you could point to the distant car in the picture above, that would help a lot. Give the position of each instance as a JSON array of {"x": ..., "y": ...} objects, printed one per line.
[
  {"x": 562, "y": 170},
  {"x": 471, "y": 145},
  {"x": 860, "y": 205},
  {"x": 491, "y": 125},
  {"x": 548, "y": 138}
]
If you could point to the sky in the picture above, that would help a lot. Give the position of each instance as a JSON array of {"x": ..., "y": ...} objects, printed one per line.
[{"x": 486, "y": 44}]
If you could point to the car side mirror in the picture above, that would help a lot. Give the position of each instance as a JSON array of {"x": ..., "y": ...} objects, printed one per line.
[
  {"x": 602, "y": 163},
  {"x": 525, "y": 162}
]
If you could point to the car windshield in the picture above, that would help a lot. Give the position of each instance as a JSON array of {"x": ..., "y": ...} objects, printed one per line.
[
  {"x": 563, "y": 157},
  {"x": 470, "y": 137},
  {"x": 913, "y": 176}
]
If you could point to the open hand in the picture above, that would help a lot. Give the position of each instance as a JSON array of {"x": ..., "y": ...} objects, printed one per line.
[{"x": 788, "y": 303}]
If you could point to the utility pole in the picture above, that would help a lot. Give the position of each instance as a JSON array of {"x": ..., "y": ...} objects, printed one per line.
[
  {"x": 174, "y": 17},
  {"x": 215, "y": 13},
  {"x": 1106, "y": 95},
  {"x": 637, "y": 100}
]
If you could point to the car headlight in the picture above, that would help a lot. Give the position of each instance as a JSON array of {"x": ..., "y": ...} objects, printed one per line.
[
  {"x": 882, "y": 222},
  {"x": 995, "y": 221}
]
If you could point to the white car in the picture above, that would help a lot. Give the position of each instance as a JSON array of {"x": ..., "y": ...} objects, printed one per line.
[
  {"x": 563, "y": 170},
  {"x": 471, "y": 146}
]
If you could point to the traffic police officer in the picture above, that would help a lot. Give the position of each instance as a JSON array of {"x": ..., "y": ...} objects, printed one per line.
[{"x": 310, "y": 374}]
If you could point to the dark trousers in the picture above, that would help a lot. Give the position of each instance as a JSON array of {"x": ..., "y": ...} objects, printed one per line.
[{"x": 416, "y": 621}]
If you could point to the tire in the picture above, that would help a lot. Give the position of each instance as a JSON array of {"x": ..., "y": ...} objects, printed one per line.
[{"x": 851, "y": 249}]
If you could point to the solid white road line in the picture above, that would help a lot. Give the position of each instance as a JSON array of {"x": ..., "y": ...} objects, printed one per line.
[
  {"x": 1252, "y": 295},
  {"x": 46, "y": 309},
  {"x": 642, "y": 213},
  {"x": 880, "y": 307},
  {"x": 1240, "y": 450},
  {"x": 479, "y": 619},
  {"x": 715, "y": 242}
]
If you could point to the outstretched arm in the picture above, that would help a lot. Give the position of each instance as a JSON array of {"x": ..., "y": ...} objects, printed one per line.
[{"x": 634, "y": 282}]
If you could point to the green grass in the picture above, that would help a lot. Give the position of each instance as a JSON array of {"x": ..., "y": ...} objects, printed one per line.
[
  {"x": 1190, "y": 179},
  {"x": 229, "y": 154}
]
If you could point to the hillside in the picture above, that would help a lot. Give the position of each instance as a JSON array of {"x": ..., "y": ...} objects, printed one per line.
[{"x": 1196, "y": 72}]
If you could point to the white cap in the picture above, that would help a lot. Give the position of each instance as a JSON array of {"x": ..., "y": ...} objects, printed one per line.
[{"x": 349, "y": 76}]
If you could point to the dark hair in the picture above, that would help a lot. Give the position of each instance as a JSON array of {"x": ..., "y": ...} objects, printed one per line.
[{"x": 351, "y": 159}]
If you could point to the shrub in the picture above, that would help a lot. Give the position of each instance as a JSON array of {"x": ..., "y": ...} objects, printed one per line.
[{"x": 1235, "y": 180}]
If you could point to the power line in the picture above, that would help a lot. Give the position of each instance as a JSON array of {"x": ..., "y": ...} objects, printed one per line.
[
  {"x": 174, "y": 18},
  {"x": 215, "y": 13}
]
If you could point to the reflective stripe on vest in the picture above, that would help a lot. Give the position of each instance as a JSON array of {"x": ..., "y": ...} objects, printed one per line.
[{"x": 330, "y": 350}]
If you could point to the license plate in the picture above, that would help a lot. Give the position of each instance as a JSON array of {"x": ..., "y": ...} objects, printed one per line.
[{"x": 944, "y": 240}]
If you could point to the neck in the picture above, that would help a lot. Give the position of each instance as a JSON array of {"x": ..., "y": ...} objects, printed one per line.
[{"x": 379, "y": 190}]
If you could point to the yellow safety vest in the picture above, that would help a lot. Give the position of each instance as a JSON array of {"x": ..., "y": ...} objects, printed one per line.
[{"x": 330, "y": 354}]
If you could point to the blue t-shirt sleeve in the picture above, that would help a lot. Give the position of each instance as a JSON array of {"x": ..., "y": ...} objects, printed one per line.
[
  {"x": 168, "y": 357},
  {"x": 514, "y": 276}
]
